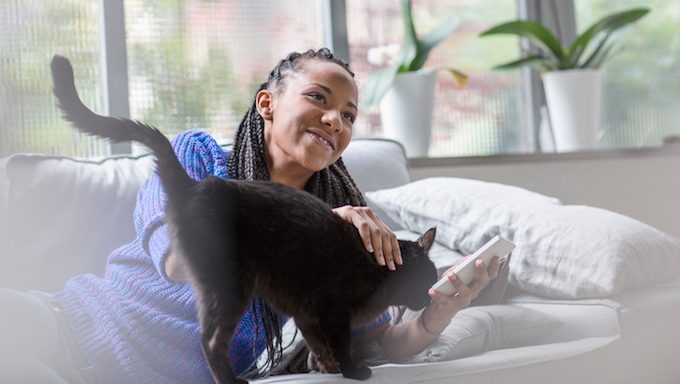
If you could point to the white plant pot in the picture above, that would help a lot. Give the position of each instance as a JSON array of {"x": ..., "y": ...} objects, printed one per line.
[
  {"x": 406, "y": 111},
  {"x": 574, "y": 103}
]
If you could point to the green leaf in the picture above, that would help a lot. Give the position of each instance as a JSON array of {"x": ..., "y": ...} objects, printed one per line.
[
  {"x": 529, "y": 60},
  {"x": 377, "y": 84},
  {"x": 608, "y": 24},
  {"x": 433, "y": 38},
  {"x": 534, "y": 31},
  {"x": 599, "y": 55},
  {"x": 409, "y": 49},
  {"x": 608, "y": 54}
]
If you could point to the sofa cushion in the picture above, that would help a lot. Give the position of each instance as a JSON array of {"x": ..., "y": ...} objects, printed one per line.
[
  {"x": 66, "y": 215},
  {"x": 375, "y": 163}
]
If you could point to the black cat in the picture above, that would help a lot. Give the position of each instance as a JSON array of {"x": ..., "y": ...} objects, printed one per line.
[{"x": 244, "y": 239}]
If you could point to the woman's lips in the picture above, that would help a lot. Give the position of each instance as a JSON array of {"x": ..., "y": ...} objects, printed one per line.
[{"x": 323, "y": 137}]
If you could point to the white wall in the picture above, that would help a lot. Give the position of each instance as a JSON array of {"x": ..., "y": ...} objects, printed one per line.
[{"x": 643, "y": 184}]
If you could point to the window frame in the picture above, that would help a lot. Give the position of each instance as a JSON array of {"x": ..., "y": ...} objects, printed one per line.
[{"x": 113, "y": 62}]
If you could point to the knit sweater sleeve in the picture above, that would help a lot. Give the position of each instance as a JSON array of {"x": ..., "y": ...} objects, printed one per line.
[{"x": 201, "y": 156}]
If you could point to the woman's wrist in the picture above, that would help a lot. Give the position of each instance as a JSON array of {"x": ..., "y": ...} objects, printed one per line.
[{"x": 427, "y": 327}]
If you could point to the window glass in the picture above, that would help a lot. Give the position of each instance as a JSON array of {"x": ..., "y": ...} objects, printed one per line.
[
  {"x": 481, "y": 119},
  {"x": 641, "y": 82},
  {"x": 195, "y": 64},
  {"x": 31, "y": 32}
]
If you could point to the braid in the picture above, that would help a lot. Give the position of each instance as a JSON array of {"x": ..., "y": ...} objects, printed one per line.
[
  {"x": 247, "y": 161},
  {"x": 335, "y": 186}
]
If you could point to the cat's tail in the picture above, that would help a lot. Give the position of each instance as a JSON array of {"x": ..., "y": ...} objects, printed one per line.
[{"x": 173, "y": 177}]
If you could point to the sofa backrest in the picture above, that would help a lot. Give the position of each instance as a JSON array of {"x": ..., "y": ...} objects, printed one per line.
[{"x": 62, "y": 216}]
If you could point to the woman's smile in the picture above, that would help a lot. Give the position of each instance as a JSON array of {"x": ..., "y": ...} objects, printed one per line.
[{"x": 322, "y": 138}]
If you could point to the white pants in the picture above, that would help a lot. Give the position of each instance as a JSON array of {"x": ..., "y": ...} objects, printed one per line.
[{"x": 34, "y": 346}]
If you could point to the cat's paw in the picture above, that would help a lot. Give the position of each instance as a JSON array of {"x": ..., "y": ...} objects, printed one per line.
[
  {"x": 321, "y": 364},
  {"x": 357, "y": 373}
]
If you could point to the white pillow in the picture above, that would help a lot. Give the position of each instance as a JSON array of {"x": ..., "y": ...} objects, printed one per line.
[
  {"x": 562, "y": 251},
  {"x": 476, "y": 330}
]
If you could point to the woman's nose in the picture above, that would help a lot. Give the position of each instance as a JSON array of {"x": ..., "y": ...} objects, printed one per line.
[{"x": 332, "y": 119}]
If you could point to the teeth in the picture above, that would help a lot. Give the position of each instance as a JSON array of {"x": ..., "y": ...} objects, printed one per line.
[{"x": 323, "y": 140}]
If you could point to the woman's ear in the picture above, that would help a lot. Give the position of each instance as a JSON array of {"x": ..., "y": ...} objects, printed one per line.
[{"x": 263, "y": 102}]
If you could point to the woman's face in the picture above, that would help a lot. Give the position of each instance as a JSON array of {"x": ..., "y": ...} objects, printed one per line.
[{"x": 309, "y": 121}]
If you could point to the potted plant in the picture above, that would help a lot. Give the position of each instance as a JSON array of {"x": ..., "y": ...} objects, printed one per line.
[
  {"x": 571, "y": 76},
  {"x": 405, "y": 90}
]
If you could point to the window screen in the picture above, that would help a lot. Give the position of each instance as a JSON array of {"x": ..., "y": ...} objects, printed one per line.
[
  {"x": 197, "y": 64},
  {"x": 641, "y": 82},
  {"x": 31, "y": 32}
]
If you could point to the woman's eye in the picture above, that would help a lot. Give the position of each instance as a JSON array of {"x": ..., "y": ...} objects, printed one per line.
[
  {"x": 318, "y": 96},
  {"x": 349, "y": 116}
]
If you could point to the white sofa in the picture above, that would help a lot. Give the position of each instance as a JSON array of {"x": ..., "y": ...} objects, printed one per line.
[{"x": 61, "y": 216}]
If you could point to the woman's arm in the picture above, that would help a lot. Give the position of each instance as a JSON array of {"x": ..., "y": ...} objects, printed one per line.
[
  {"x": 201, "y": 156},
  {"x": 400, "y": 341}
]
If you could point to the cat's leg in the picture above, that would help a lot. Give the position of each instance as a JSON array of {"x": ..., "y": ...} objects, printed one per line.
[
  {"x": 219, "y": 314},
  {"x": 321, "y": 355},
  {"x": 333, "y": 333},
  {"x": 337, "y": 328}
]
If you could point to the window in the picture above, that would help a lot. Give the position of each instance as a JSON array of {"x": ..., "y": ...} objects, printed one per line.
[
  {"x": 31, "y": 32},
  {"x": 641, "y": 83},
  {"x": 481, "y": 119},
  {"x": 196, "y": 64}
]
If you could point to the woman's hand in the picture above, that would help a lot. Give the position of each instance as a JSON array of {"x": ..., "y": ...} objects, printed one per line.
[
  {"x": 441, "y": 310},
  {"x": 377, "y": 237},
  {"x": 174, "y": 267},
  {"x": 400, "y": 341}
]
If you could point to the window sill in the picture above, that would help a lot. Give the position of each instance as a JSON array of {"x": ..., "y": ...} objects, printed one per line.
[{"x": 665, "y": 150}]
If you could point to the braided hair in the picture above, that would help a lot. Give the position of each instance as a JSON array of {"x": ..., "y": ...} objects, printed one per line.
[{"x": 247, "y": 161}]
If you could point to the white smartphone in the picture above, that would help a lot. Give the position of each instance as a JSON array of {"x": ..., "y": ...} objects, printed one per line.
[{"x": 465, "y": 270}]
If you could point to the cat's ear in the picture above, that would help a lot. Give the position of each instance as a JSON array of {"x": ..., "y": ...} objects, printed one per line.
[{"x": 427, "y": 239}]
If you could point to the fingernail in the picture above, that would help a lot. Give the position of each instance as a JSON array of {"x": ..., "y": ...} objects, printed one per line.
[
  {"x": 382, "y": 261},
  {"x": 453, "y": 276},
  {"x": 479, "y": 263}
]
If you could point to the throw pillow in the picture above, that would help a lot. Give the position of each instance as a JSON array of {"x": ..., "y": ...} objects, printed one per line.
[{"x": 562, "y": 251}]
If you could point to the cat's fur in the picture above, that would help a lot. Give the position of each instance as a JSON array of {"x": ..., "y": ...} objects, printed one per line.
[{"x": 244, "y": 239}]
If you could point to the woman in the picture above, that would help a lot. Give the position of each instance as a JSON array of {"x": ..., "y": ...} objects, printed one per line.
[{"x": 138, "y": 322}]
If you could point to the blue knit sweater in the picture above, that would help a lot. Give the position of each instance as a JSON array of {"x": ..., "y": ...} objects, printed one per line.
[{"x": 134, "y": 324}]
